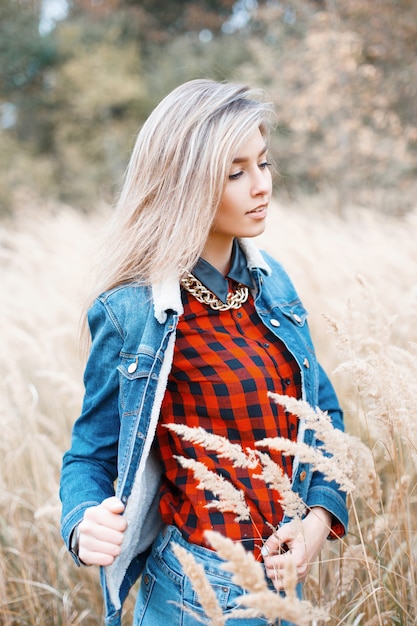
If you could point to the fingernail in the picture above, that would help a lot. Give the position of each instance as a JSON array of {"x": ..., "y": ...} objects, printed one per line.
[{"x": 265, "y": 550}]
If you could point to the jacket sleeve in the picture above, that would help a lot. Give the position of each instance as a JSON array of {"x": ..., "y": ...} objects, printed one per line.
[
  {"x": 89, "y": 467},
  {"x": 322, "y": 492}
]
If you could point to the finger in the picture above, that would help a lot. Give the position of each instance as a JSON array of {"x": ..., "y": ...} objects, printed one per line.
[
  {"x": 113, "y": 504},
  {"x": 94, "y": 551},
  {"x": 88, "y": 543},
  {"x": 276, "y": 568},
  {"x": 271, "y": 546},
  {"x": 302, "y": 570},
  {"x": 102, "y": 516},
  {"x": 116, "y": 507},
  {"x": 276, "y": 577},
  {"x": 268, "y": 548},
  {"x": 101, "y": 532},
  {"x": 89, "y": 557}
]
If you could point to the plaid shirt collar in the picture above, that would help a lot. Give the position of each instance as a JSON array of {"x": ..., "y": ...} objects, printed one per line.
[
  {"x": 216, "y": 282},
  {"x": 166, "y": 292}
]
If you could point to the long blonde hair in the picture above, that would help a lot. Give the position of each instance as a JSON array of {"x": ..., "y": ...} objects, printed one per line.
[{"x": 175, "y": 180}]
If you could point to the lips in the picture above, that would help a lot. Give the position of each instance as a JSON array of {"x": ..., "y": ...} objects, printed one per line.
[{"x": 258, "y": 209}]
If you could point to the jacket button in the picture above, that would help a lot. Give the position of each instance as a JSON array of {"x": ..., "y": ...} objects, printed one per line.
[
  {"x": 146, "y": 579},
  {"x": 275, "y": 323},
  {"x": 306, "y": 363},
  {"x": 297, "y": 318},
  {"x": 132, "y": 367},
  {"x": 303, "y": 475}
]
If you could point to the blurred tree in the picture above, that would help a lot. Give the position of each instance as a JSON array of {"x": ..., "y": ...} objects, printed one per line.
[
  {"x": 389, "y": 37},
  {"x": 24, "y": 54},
  {"x": 113, "y": 61},
  {"x": 180, "y": 16},
  {"x": 158, "y": 20},
  {"x": 25, "y": 60},
  {"x": 344, "y": 79},
  {"x": 343, "y": 76},
  {"x": 94, "y": 106}
]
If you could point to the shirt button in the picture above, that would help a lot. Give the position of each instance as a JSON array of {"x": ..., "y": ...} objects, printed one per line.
[
  {"x": 306, "y": 363},
  {"x": 239, "y": 314},
  {"x": 297, "y": 318},
  {"x": 266, "y": 345},
  {"x": 275, "y": 323},
  {"x": 303, "y": 475}
]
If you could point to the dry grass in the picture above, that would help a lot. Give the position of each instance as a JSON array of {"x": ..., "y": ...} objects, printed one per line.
[{"x": 371, "y": 339}]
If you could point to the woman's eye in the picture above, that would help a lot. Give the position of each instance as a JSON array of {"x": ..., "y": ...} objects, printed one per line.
[{"x": 237, "y": 175}]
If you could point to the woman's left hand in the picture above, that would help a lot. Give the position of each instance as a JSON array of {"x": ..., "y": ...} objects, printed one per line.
[{"x": 297, "y": 540}]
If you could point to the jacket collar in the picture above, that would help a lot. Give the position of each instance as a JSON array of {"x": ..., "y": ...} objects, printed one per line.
[
  {"x": 216, "y": 282},
  {"x": 166, "y": 294}
]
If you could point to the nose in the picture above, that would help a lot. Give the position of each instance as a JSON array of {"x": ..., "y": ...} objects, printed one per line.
[{"x": 261, "y": 182}]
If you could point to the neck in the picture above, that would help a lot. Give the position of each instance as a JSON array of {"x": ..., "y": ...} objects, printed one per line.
[{"x": 218, "y": 253}]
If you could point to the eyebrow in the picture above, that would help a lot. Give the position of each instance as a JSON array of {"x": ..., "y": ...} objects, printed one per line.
[{"x": 244, "y": 159}]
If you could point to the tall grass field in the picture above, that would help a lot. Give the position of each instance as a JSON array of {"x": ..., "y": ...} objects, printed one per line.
[{"x": 357, "y": 276}]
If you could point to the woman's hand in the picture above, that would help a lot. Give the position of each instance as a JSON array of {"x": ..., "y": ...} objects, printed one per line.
[
  {"x": 300, "y": 541},
  {"x": 100, "y": 534}
]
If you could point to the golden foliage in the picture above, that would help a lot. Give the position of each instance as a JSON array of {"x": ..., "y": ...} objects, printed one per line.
[
  {"x": 342, "y": 74},
  {"x": 344, "y": 105},
  {"x": 367, "y": 578}
]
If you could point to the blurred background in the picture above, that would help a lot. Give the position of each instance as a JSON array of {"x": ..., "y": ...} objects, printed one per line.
[{"x": 78, "y": 77}]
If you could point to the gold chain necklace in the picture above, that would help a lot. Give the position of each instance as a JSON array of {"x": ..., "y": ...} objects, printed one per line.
[{"x": 205, "y": 296}]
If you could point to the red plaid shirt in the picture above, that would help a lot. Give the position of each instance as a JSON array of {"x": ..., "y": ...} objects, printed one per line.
[{"x": 224, "y": 365}]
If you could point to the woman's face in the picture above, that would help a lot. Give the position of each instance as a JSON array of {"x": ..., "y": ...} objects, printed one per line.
[{"x": 244, "y": 205}]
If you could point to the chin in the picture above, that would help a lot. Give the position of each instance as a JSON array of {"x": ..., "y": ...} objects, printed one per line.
[{"x": 256, "y": 231}]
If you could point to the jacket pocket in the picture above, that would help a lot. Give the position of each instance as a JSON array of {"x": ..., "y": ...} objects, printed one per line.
[
  {"x": 295, "y": 312},
  {"x": 136, "y": 372}
]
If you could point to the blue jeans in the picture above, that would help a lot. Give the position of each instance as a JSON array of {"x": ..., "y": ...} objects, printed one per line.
[{"x": 166, "y": 596}]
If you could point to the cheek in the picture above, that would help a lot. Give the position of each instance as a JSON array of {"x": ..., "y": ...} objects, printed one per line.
[
  {"x": 226, "y": 218},
  {"x": 225, "y": 209},
  {"x": 231, "y": 200}
]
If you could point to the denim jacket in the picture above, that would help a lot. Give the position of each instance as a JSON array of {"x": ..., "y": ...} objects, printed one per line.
[{"x": 133, "y": 336}]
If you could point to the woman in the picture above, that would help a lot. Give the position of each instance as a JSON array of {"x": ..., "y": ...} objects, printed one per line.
[{"x": 191, "y": 325}]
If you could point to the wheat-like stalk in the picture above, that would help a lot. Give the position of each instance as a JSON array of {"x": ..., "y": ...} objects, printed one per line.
[
  {"x": 221, "y": 445},
  {"x": 229, "y": 498},
  {"x": 260, "y": 601},
  {"x": 273, "y": 475},
  {"x": 206, "y": 595},
  {"x": 368, "y": 578},
  {"x": 247, "y": 572}
]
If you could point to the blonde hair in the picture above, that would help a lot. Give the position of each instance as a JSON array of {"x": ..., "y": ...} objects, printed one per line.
[{"x": 175, "y": 180}]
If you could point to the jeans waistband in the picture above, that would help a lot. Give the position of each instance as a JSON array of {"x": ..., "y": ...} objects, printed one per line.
[
  {"x": 170, "y": 535},
  {"x": 212, "y": 563}
]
